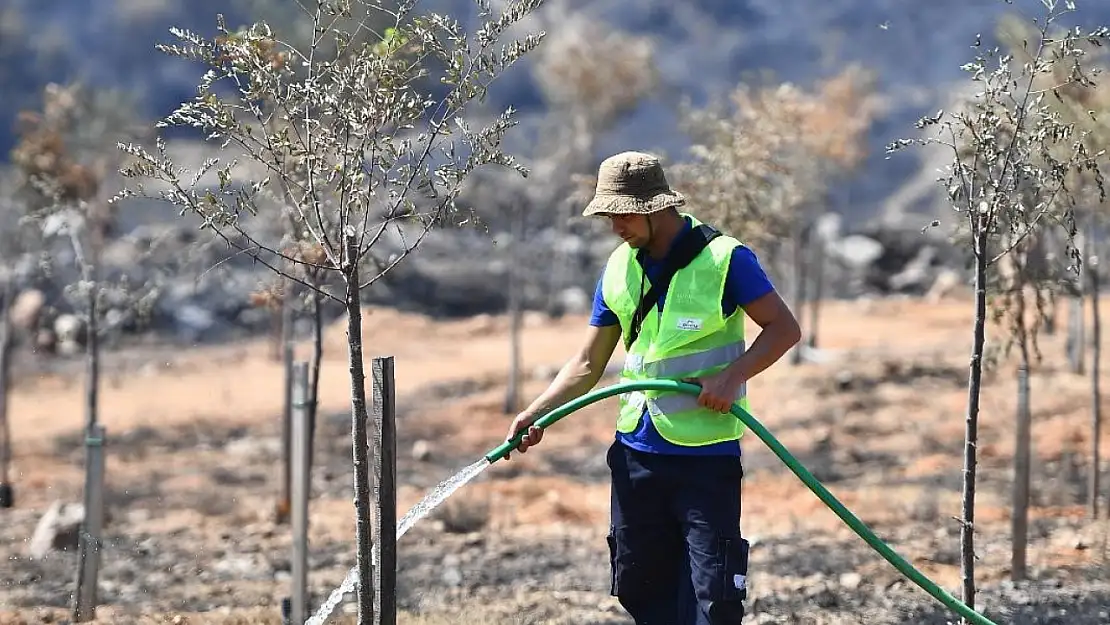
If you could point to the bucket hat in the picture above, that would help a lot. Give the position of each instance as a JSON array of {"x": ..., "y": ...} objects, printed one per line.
[{"x": 632, "y": 183}]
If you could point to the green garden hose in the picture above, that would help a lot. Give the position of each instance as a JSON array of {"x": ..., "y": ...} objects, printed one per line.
[{"x": 764, "y": 435}]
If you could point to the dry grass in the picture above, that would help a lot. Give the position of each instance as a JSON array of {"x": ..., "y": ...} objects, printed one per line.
[
  {"x": 894, "y": 433},
  {"x": 463, "y": 616}
]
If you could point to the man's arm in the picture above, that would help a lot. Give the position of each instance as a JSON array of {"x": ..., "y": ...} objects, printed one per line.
[
  {"x": 576, "y": 378},
  {"x": 749, "y": 288},
  {"x": 779, "y": 331},
  {"x": 580, "y": 374}
]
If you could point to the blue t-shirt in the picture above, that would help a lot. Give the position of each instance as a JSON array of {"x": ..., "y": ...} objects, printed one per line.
[{"x": 746, "y": 282}]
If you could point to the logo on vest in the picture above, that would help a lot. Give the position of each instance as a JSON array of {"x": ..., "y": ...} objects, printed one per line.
[{"x": 692, "y": 325}]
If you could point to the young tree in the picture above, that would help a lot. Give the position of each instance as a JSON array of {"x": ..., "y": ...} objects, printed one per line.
[
  {"x": 1019, "y": 307},
  {"x": 285, "y": 296},
  {"x": 372, "y": 163},
  {"x": 577, "y": 70},
  {"x": 762, "y": 170},
  {"x": 1012, "y": 157},
  {"x": 1085, "y": 106},
  {"x": 836, "y": 134},
  {"x": 66, "y": 189},
  {"x": 1094, "y": 269},
  {"x": 17, "y": 241}
]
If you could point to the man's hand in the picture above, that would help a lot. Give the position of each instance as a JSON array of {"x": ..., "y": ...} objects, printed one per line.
[
  {"x": 719, "y": 391},
  {"x": 533, "y": 437}
]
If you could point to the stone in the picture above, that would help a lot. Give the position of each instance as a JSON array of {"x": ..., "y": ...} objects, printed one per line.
[
  {"x": 945, "y": 283},
  {"x": 70, "y": 330},
  {"x": 421, "y": 451},
  {"x": 851, "y": 581},
  {"x": 857, "y": 250},
  {"x": 57, "y": 530},
  {"x": 26, "y": 309}
]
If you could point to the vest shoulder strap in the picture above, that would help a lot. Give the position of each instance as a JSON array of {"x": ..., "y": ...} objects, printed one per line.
[{"x": 686, "y": 249}]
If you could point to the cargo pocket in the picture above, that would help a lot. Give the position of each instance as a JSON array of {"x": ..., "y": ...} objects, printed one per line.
[
  {"x": 613, "y": 563},
  {"x": 734, "y": 568}
]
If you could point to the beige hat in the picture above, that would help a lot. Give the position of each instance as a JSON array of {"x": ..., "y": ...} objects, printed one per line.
[{"x": 632, "y": 183}]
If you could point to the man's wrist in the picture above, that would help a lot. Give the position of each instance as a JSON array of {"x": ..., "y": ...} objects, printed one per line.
[{"x": 737, "y": 372}]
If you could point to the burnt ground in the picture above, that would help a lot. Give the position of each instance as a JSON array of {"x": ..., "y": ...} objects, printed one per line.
[{"x": 192, "y": 488}]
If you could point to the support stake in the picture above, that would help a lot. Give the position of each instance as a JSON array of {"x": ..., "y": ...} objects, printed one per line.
[
  {"x": 300, "y": 492},
  {"x": 385, "y": 416},
  {"x": 281, "y": 510},
  {"x": 89, "y": 541}
]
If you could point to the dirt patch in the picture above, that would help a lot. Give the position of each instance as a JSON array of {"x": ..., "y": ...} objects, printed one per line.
[{"x": 193, "y": 476}]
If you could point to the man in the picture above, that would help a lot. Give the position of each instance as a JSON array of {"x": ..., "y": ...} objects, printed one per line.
[{"x": 676, "y": 552}]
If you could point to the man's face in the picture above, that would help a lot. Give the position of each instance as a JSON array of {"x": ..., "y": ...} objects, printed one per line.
[{"x": 633, "y": 229}]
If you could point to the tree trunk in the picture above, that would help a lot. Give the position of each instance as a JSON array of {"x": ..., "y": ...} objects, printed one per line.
[
  {"x": 89, "y": 545},
  {"x": 1093, "y": 483},
  {"x": 314, "y": 375},
  {"x": 7, "y": 496},
  {"x": 1052, "y": 309},
  {"x": 277, "y": 330},
  {"x": 360, "y": 446},
  {"x": 971, "y": 425},
  {"x": 1019, "y": 520},
  {"x": 818, "y": 289},
  {"x": 92, "y": 360},
  {"x": 516, "y": 284},
  {"x": 1076, "y": 340},
  {"x": 799, "y": 270}
]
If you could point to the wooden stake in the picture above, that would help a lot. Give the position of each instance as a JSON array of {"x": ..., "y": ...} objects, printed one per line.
[{"x": 385, "y": 446}]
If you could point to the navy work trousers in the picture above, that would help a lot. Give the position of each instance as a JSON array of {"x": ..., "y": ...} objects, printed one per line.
[{"x": 675, "y": 547}]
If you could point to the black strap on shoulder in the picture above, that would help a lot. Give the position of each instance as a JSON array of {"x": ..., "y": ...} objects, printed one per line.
[{"x": 685, "y": 250}]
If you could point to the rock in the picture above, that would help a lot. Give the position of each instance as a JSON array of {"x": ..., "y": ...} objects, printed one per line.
[
  {"x": 193, "y": 321},
  {"x": 573, "y": 301},
  {"x": 421, "y": 451},
  {"x": 828, "y": 227},
  {"x": 57, "y": 530},
  {"x": 915, "y": 275},
  {"x": 857, "y": 250},
  {"x": 844, "y": 381},
  {"x": 534, "y": 319},
  {"x": 851, "y": 581},
  {"x": 254, "y": 447},
  {"x": 944, "y": 284},
  {"x": 452, "y": 576},
  {"x": 241, "y": 567},
  {"x": 70, "y": 331},
  {"x": 45, "y": 341},
  {"x": 26, "y": 309},
  {"x": 138, "y": 516}
]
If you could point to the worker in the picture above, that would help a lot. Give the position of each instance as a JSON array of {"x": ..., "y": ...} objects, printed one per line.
[{"x": 677, "y": 554}]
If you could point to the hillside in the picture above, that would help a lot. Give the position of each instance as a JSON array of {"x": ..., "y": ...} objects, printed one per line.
[
  {"x": 192, "y": 476},
  {"x": 704, "y": 47}
]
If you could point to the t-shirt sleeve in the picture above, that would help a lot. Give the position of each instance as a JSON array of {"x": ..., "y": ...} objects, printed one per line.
[
  {"x": 746, "y": 280},
  {"x": 602, "y": 316}
]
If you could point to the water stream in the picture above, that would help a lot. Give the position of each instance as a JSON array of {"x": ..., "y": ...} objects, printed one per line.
[{"x": 438, "y": 495}]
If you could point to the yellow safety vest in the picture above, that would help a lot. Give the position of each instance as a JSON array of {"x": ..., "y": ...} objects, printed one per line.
[{"x": 691, "y": 338}]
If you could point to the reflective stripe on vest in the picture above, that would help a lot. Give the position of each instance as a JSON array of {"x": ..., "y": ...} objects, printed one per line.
[
  {"x": 689, "y": 338},
  {"x": 676, "y": 366},
  {"x": 672, "y": 403}
]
